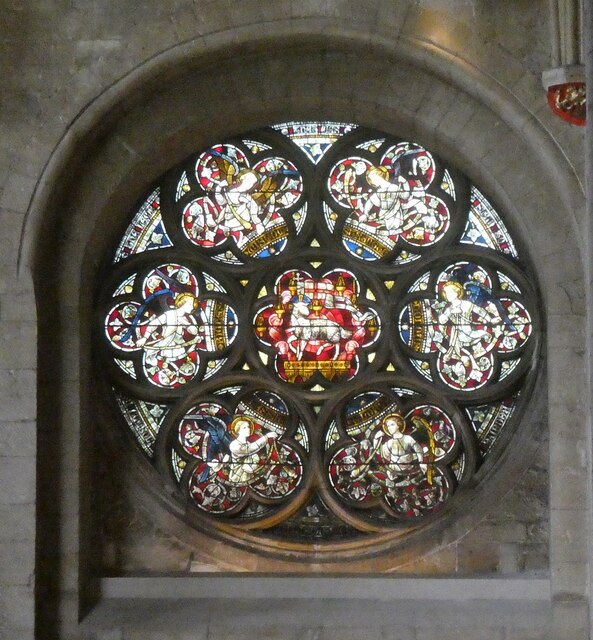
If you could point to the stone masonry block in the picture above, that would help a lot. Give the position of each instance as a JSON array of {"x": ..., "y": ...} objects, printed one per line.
[
  {"x": 307, "y": 9},
  {"x": 17, "y": 522},
  {"x": 371, "y": 633},
  {"x": 246, "y": 12},
  {"x": 536, "y": 633},
  {"x": 569, "y": 580},
  {"x": 17, "y": 563},
  {"x": 443, "y": 561},
  {"x": 507, "y": 532},
  {"x": 534, "y": 558},
  {"x": 456, "y": 117},
  {"x": 537, "y": 532},
  {"x": 433, "y": 109},
  {"x": 18, "y": 345},
  {"x": 17, "y": 193},
  {"x": 527, "y": 90},
  {"x": 11, "y": 235},
  {"x": 391, "y": 16},
  {"x": 220, "y": 631},
  {"x": 565, "y": 388},
  {"x": 211, "y": 17},
  {"x": 506, "y": 149},
  {"x": 569, "y": 621},
  {"x": 547, "y": 240},
  {"x": 16, "y": 304},
  {"x": 15, "y": 633},
  {"x": 20, "y": 387},
  {"x": 17, "y": 439},
  {"x": 481, "y": 133},
  {"x": 469, "y": 632},
  {"x": 508, "y": 558},
  {"x": 477, "y": 557},
  {"x": 526, "y": 502},
  {"x": 568, "y": 488},
  {"x": 565, "y": 330},
  {"x": 567, "y": 448},
  {"x": 569, "y": 535},
  {"x": 16, "y": 611},
  {"x": 356, "y": 12},
  {"x": 565, "y": 295},
  {"x": 33, "y": 154},
  {"x": 17, "y": 480},
  {"x": 106, "y": 634}
]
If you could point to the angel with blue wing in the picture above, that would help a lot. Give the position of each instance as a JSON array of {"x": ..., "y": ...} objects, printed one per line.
[
  {"x": 245, "y": 198},
  {"x": 169, "y": 338},
  {"x": 466, "y": 331},
  {"x": 217, "y": 442},
  {"x": 231, "y": 450},
  {"x": 472, "y": 278}
]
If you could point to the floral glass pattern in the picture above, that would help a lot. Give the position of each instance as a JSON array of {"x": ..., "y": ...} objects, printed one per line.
[{"x": 317, "y": 332}]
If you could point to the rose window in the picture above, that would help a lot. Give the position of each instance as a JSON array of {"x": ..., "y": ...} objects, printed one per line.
[{"x": 317, "y": 333}]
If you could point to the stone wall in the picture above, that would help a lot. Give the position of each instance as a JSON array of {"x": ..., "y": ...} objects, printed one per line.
[{"x": 101, "y": 99}]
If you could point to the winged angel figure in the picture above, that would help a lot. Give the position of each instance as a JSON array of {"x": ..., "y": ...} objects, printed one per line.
[
  {"x": 170, "y": 326},
  {"x": 243, "y": 202},
  {"x": 397, "y": 460},
  {"x": 388, "y": 200},
  {"x": 468, "y": 325},
  {"x": 235, "y": 454}
]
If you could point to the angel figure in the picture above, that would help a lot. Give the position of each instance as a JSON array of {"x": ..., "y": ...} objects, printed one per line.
[
  {"x": 240, "y": 211},
  {"x": 384, "y": 205},
  {"x": 245, "y": 458},
  {"x": 473, "y": 330},
  {"x": 246, "y": 200},
  {"x": 166, "y": 332},
  {"x": 232, "y": 450},
  {"x": 168, "y": 338},
  {"x": 396, "y": 457},
  {"x": 397, "y": 203},
  {"x": 407, "y": 194}
]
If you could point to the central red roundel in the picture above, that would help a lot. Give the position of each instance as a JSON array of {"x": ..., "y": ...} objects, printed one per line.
[{"x": 317, "y": 325}]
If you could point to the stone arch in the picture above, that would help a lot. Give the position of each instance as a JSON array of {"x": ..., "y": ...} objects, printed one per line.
[{"x": 172, "y": 104}]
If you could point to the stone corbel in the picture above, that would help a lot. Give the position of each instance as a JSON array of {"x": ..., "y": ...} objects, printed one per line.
[{"x": 565, "y": 82}]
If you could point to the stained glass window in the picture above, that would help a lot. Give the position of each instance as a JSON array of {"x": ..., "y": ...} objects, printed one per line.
[{"x": 318, "y": 332}]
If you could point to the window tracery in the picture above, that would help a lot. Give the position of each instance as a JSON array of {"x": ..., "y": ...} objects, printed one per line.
[{"x": 317, "y": 332}]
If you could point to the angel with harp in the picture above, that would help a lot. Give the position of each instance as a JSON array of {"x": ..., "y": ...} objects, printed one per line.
[{"x": 245, "y": 199}]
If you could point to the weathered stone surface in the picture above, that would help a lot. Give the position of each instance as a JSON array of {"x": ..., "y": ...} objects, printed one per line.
[
  {"x": 18, "y": 523},
  {"x": 16, "y": 611},
  {"x": 16, "y": 563},
  {"x": 18, "y": 388},
  {"x": 475, "y": 632},
  {"x": 477, "y": 557},
  {"x": 536, "y": 633},
  {"x": 17, "y": 479},
  {"x": 17, "y": 439},
  {"x": 16, "y": 193}
]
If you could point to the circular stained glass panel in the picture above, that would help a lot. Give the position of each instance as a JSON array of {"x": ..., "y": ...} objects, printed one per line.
[{"x": 317, "y": 332}]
